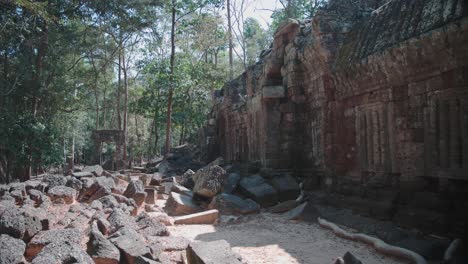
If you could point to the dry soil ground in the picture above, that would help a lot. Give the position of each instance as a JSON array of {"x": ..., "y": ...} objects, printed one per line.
[{"x": 267, "y": 238}]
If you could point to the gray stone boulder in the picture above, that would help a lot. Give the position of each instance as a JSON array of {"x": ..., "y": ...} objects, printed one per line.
[
  {"x": 286, "y": 186},
  {"x": 213, "y": 252},
  {"x": 229, "y": 204},
  {"x": 256, "y": 188},
  {"x": 58, "y": 237},
  {"x": 119, "y": 219},
  {"x": 19, "y": 223},
  {"x": 187, "y": 179},
  {"x": 64, "y": 252},
  {"x": 101, "y": 250},
  {"x": 209, "y": 181},
  {"x": 131, "y": 244},
  {"x": 74, "y": 183},
  {"x": 96, "y": 170},
  {"x": 67, "y": 194},
  {"x": 11, "y": 250},
  {"x": 232, "y": 180},
  {"x": 82, "y": 174},
  {"x": 180, "y": 204},
  {"x": 94, "y": 189},
  {"x": 136, "y": 190},
  {"x": 148, "y": 226},
  {"x": 54, "y": 180}
]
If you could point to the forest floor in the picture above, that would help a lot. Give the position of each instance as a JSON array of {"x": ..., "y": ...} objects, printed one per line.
[{"x": 267, "y": 238}]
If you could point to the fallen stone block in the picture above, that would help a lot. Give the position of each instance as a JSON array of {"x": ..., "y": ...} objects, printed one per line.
[
  {"x": 181, "y": 189},
  {"x": 229, "y": 204},
  {"x": 58, "y": 236},
  {"x": 101, "y": 250},
  {"x": 67, "y": 194},
  {"x": 286, "y": 186},
  {"x": 82, "y": 174},
  {"x": 203, "y": 218},
  {"x": 96, "y": 170},
  {"x": 11, "y": 250},
  {"x": 19, "y": 223},
  {"x": 148, "y": 226},
  {"x": 209, "y": 181},
  {"x": 214, "y": 252},
  {"x": 136, "y": 190},
  {"x": 131, "y": 244},
  {"x": 54, "y": 180},
  {"x": 232, "y": 180},
  {"x": 150, "y": 195},
  {"x": 64, "y": 252},
  {"x": 179, "y": 204},
  {"x": 258, "y": 190},
  {"x": 163, "y": 218}
]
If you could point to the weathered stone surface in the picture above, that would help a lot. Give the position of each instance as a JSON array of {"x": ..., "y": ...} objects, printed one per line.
[
  {"x": 209, "y": 181},
  {"x": 131, "y": 244},
  {"x": 58, "y": 237},
  {"x": 360, "y": 103},
  {"x": 214, "y": 252},
  {"x": 231, "y": 182},
  {"x": 96, "y": 188},
  {"x": 286, "y": 186},
  {"x": 151, "y": 195},
  {"x": 163, "y": 218},
  {"x": 101, "y": 250},
  {"x": 119, "y": 219},
  {"x": 256, "y": 188},
  {"x": 82, "y": 174},
  {"x": 168, "y": 243},
  {"x": 64, "y": 252},
  {"x": 181, "y": 189},
  {"x": 11, "y": 250},
  {"x": 62, "y": 192},
  {"x": 229, "y": 204},
  {"x": 96, "y": 170},
  {"x": 74, "y": 183},
  {"x": 187, "y": 179},
  {"x": 149, "y": 226},
  {"x": 19, "y": 223},
  {"x": 136, "y": 190},
  {"x": 203, "y": 218},
  {"x": 54, "y": 180},
  {"x": 179, "y": 204}
]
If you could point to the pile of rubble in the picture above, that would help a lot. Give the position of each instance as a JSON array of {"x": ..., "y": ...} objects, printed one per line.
[{"x": 97, "y": 216}]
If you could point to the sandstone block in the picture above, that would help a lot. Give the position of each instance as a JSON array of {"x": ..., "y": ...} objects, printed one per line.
[
  {"x": 230, "y": 204},
  {"x": 203, "y": 218},
  {"x": 179, "y": 204}
]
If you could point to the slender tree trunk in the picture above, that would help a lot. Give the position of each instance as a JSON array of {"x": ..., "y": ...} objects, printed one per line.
[
  {"x": 156, "y": 133},
  {"x": 119, "y": 84},
  {"x": 231, "y": 73},
  {"x": 171, "y": 81},
  {"x": 125, "y": 106}
]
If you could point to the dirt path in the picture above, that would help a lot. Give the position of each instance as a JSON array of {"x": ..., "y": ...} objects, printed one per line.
[{"x": 267, "y": 238}]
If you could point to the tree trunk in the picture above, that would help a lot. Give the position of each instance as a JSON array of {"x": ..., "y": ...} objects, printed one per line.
[
  {"x": 156, "y": 134},
  {"x": 171, "y": 81},
  {"x": 119, "y": 84},
  {"x": 231, "y": 73},
  {"x": 125, "y": 106}
]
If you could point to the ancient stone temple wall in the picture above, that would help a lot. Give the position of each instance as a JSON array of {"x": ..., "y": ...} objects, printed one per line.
[{"x": 356, "y": 93}]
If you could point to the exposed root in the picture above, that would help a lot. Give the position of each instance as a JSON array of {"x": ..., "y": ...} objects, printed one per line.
[{"x": 378, "y": 244}]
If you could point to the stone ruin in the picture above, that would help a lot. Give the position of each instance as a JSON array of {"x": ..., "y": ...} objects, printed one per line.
[
  {"x": 109, "y": 136},
  {"x": 369, "y": 104}
]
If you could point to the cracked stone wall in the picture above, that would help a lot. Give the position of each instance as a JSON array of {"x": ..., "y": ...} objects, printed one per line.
[{"x": 372, "y": 95}]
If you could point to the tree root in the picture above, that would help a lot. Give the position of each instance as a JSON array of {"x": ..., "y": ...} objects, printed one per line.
[{"x": 378, "y": 244}]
